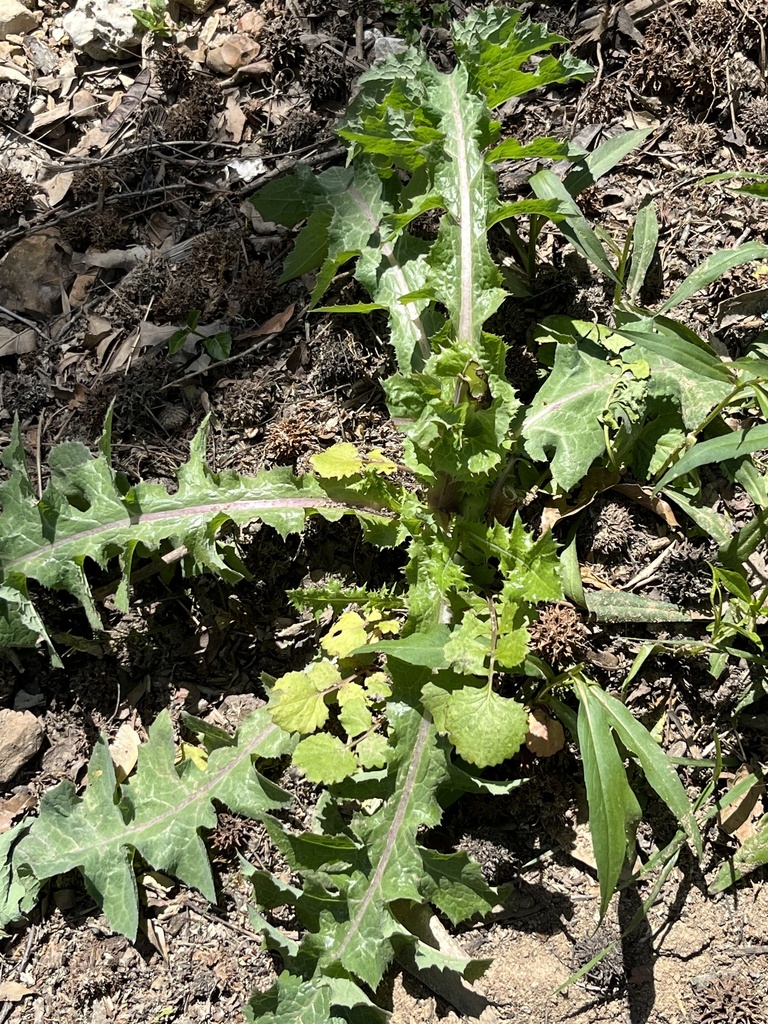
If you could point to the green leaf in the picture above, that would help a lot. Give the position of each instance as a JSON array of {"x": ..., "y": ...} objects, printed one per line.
[
  {"x": 718, "y": 450},
  {"x": 469, "y": 646},
  {"x": 618, "y": 606},
  {"x": 493, "y": 44},
  {"x": 324, "y": 758},
  {"x": 311, "y": 246},
  {"x": 613, "y": 807},
  {"x": 752, "y": 854},
  {"x": 603, "y": 159},
  {"x": 422, "y": 649},
  {"x": 645, "y": 238},
  {"x": 575, "y": 227},
  {"x": 159, "y": 813},
  {"x": 485, "y": 728},
  {"x": 360, "y": 942},
  {"x": 656, "y": 766},
  {"x": 338, "y": 461},
  {"x": 18, "y": 889},
  {"x": 287, "y": 200},
  {"x": 298, "y": 703},
  {"x": 712, "y": 268},
  {"x": 543, "y": 148},
  {"x": 566, "y": 414},
  {"x": 87, "y": 512}
]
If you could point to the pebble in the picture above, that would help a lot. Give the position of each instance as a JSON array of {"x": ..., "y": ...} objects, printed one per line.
[
  {"x": 21, "y": 736},
  {"x": 15, "y": 19}
]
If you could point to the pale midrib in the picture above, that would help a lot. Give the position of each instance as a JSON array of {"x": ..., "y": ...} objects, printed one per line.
[
  {"x": 123, "y": 839},
  {"x": 394, "y": 829},
  {"x": 255, "y": 506},
  {"x": 466, "y": 310},
  {"x": 555, "y": 406},
  {"x": 409, "y": 308}
]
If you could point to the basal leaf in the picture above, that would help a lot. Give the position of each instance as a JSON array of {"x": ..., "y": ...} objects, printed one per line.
[
  {"x": 712, "y": 268},
  {"x": 159, "y": 813},
  {"x": 613, "y": 807},
  {"x": 718, "y": 450},
  {"x": 645, "y": 238},
  {"x": 393, "y": 869},
  {"x": 87, "y": 513},
  {"x": 656, "y": 766}
]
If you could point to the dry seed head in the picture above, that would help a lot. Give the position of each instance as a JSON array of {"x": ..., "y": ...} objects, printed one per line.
[
  {"x": 559, "y": 636},
  {"x": 613, "y": 528},
  {"x": 15, "y": 193},
  {"x": 173, "y": 69},
  {"x": 324, "y": 75},
  {"x": 754, "y": 120}
]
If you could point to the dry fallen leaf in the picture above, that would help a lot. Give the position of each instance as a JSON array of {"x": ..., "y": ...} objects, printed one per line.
[
  {"x": 276, "y": 323},
  {"x": 13, "y": 806},
  {"x": 740, "y": 819},
  {"x": 124, "y": 751},
  {"x": 13, "y": 991},
  {"x": 14, "y": 343},
  {"x": 545, "y": 734}
]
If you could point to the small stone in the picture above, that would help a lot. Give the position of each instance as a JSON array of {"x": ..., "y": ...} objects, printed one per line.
[
  {"x": 252, "y": 23},
  {"x": 32, "y": 274},
  {"x": 15, "y": 19},
  {"x": 21, "y": 736},
  {"x": 84, "y": 105},
  {"x": 103, "y": 28},
  {"x": 196, "y": 6},
  {"x": 235, "y": 52}
]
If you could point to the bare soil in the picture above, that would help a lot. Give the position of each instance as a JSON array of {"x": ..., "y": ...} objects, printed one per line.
[{"x": 124, "y": 184}]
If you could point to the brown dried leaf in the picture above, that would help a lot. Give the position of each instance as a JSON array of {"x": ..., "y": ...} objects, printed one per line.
[
  {"x": 545, "y": 734},
  {"x": 13, "y": 806},
  {"x": 276, "y": 323},
  {"x": 14, "y": 991},
  {"x": 124, "y": 751},
  {"x": 17, "y": 344},
  {"x": 740, "y": 818},
  {"x": 129, "y": 104}
]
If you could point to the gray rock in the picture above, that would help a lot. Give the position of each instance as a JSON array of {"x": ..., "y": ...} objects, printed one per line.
[
  {"x": 15, "y": 19},
  {"x": 103, "y": 28},
  {"x": 21, "y": 736}
]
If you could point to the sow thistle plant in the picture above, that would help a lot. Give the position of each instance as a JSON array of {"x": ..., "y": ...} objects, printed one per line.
[{"x": 417, "y": 688}]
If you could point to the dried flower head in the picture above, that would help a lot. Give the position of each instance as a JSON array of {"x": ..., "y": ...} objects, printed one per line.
[
  {"x": 15, "y": 193},
  {"x": 173, "y": 69},
  {"x": 252, "y": 292},
  {"x": 754, "y": 120},
  {"x": 231, "y": 833},
  {"x": 324, "y": 75},
  {"x": 284, "y": 48},
  {"x": 559, "y": 636},
  {"x": 300, "y": 128},
  {"x": 731, "y": 997},
  {"x": 613, "y": 529}
]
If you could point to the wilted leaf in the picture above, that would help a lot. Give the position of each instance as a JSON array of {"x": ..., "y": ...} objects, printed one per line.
[{"x": 545, "y": 736}]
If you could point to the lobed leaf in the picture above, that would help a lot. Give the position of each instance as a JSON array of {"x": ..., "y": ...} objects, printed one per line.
[{"x": 160, "y": 813}]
